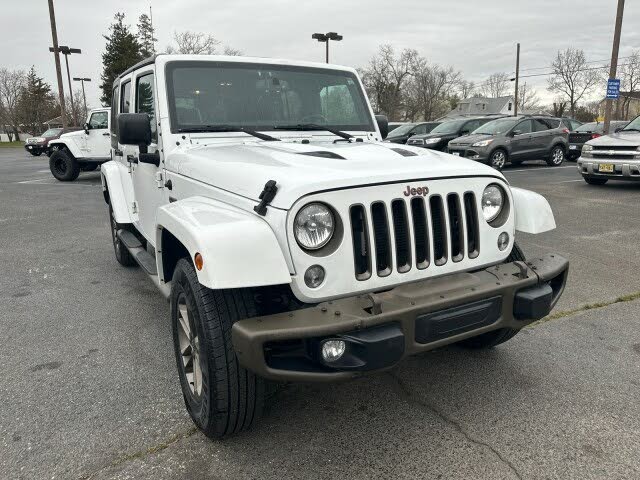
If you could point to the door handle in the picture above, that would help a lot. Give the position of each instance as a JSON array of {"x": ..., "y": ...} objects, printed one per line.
[{"x": 106, "y": 134}]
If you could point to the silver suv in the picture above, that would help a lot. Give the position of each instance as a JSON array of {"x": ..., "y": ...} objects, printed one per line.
[
  {"x": 515, "y": 139},
  {"x": 615, "y": 156}
]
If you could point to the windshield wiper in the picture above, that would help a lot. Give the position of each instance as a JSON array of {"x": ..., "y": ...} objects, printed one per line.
[
  {"x": 314, "y": 126},
  {"x": 629, "y": 130},
  {"x": 228, "y": 128}
]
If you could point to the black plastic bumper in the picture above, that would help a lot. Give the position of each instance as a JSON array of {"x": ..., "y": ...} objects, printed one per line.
[{"x": 380, "y": 329}]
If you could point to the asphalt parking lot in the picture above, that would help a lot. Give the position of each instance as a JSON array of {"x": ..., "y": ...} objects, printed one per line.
[{"x": 89, "y": 388}]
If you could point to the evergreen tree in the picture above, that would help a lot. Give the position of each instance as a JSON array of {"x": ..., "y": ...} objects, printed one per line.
[
  {"x": 36, "y": 103},
  {"x": 145, "y": 36},
  {"x": 121, "y": 52}
]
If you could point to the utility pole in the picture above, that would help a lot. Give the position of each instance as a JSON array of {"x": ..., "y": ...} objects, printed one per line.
[
  {"x": 84, "y": 97},
  {"x": 515, "y": 109},
  {"x": 614, "y": 62},
  {"x": 54, "y": 35},
  {"x": 66, "y": 51}
]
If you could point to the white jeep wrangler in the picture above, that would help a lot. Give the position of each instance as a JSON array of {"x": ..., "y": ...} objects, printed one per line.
[
  {"x": 83, "y": 150},
  {"x": 293, "y": 244}
]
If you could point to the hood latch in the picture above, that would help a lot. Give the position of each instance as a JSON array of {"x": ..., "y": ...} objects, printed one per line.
[{"x": 267, "y": 195}]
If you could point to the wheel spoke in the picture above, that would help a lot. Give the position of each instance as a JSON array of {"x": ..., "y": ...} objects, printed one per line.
[{"x": 183, "y": 317}]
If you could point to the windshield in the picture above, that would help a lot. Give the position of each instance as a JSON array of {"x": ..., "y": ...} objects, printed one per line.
[
  {"x": 403, "y": 129},
  {"x": 448, "y": 127},
  {"x": 496, "y": 127},
  {"x": 52, "y": 132},
  {"x": 633, "y": 125},
  {"x": 263, "y": 97},
  {"x": 591, "y": 127}
]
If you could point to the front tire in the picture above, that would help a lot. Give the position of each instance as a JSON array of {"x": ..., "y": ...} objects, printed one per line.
[
  {"x": 498, "y": 159},
  {"x": 221, "y": 396},
  {"x": 63, "y": 166},
  {"x": 496, "y": 337},
  {"x": 556, "y": 157},
  {"x": 123, "y": 256},
  {"x": 595, "y": 181}
]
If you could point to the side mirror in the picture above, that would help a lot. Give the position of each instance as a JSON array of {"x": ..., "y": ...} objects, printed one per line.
[
  {"x": 515, "y": 132},
  {"x": 134, "y": 129},
  {"x": 619, "y": 129},
  {"x": 464, "y": 132},
  {"x": 86, "y": 127},
  {"x": 383, "y": 125}
]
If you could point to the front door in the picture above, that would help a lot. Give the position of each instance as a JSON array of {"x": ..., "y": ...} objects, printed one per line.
[
  {"x": 147, "y": 178},
  {"x": 98, "y": 139}
]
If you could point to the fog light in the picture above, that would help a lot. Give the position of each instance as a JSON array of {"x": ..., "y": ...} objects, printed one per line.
[
  {"x": 332, "y": 350},
  {"x": 503, "y": 240},
  {"x": 314, "y": 276}
]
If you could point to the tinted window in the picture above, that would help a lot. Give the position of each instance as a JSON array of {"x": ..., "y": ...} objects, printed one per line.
[
  {"x": 99, "y": 120},
  {"x": 471, "y": 126},
  {"x": 451, "y": 126},
  {"x": 540, "y": 126},
  {"x": 496, "y": 127},
  {"x": 125, "y": 101},
  {"x": 524, "y": 127},
  {"x": 553, "y": 122},
  {"x": 145, "y": 95},
  {"x": 114, "y": 113},
  {"x": 420, "y": 129}
]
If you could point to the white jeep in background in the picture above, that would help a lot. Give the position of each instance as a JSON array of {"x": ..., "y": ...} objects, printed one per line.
[
  {"x": 293, "y": 244},
  {"x": 83, "y": 150}
]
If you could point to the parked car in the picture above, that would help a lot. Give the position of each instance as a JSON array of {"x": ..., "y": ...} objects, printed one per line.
[
  {"x": 440, "y": 136},
  {"x": 83, "y": 150},
  {"x": 394, "y": 125},
  {"x": 515, "y": 140},
  {"x": 36, "y": 146},
  {"x": 409, "y": 130},
  {"x": 586, "y": 132},
  {"x": 293, "y": 251},
  {"x": 612, "y": 157}
]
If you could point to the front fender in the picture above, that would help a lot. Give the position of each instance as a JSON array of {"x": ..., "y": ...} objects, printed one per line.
[
  {"x": 238, "y": 248},
  {"x": 532, "y": 211},
  {"x": 69, "y": 144},
  {"x": 112, "y": 186}
]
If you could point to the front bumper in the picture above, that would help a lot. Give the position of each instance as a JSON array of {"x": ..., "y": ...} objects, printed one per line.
[
  {"x": 478, "y": 154},
  {"x": 622, "y": 169},
  {"x": 35, "y": 147},
  {"x": 382, "y": 328}
]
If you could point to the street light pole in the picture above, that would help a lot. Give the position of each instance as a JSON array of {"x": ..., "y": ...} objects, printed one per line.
[
  {"x": 515, "y": 108},
  {"x": 84, "y": 97},
  {"x": 66, "y": 51},
  {"x": 614, "y": 62},
  {"x": 326, "y": 37},
  {"x": 56, "y": 56}
]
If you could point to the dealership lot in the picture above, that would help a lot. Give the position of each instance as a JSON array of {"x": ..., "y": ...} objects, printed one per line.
[{"x": 89, "y": 388}]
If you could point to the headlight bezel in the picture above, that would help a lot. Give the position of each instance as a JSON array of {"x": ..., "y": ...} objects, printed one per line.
[
  {"x": 586, "y": 148},
  {"x": 483, "y": 143},
  {"x": 430, "y": 141},
  {"x": 500, "y": 217},
  {"x": 334, "y": 226}
]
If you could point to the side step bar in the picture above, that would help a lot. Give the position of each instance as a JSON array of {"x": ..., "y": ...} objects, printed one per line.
[{"x": 144, "y": 258}]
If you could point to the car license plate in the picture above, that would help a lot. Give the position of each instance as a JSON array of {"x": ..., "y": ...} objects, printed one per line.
[
  {"x": 457, "y": 154},
  {"x": 605, "y": 167},
  {"x": 573, "y": 147}
]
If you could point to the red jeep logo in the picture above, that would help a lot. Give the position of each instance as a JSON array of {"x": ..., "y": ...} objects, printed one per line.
[{"x": 412, "y": 191}]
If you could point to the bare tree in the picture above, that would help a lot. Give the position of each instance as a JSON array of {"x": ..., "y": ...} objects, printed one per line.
[
  {"x": 196, "y": 43},
  {"x": 527, "y": 98},
  {"x": 466, "y": 88},
  {"x": 429, "y": 88},
  {"x": 12, "y": 83},
  {"x": 572, "y": 77},
  {"x": 630, "y": 79},
  {"x": 497, "y": 85},
  {"x": 232, "y": 51},
  {"x": 385, "y": 77},
  {"x": 558, "y": 107}
]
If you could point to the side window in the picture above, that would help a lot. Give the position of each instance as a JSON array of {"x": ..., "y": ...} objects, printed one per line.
[
  {"x": 125, "y": 98},
  {"x": 540, "y": 125},
  {"x": 420, "y": 129},
  {"x": 145, "y": 103},
  {"x": 524, "y": 127},
  {"x": 99, "y": 120},
  {"x": 115, "y": 98}
]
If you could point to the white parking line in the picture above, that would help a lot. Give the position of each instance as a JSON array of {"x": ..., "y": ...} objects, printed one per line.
[
  {"x": 568, "y": 181},
  {"x": 539, "y": 168},
  {"x": 33, "y": 181}
]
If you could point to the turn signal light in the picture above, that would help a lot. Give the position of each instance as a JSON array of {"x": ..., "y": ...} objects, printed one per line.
[{"x": 197, "y": 259}]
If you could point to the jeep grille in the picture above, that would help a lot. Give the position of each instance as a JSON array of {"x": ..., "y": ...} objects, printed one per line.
[{"x": 413, "y": 233}]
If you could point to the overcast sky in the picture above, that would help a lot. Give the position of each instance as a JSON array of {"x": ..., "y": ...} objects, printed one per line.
[{"x": 475, "y": 37}]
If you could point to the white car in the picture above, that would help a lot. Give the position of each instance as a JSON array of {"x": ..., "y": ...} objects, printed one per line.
[
  {"x": 83, "y": 150},
  {"x": 293, "y": 244}
]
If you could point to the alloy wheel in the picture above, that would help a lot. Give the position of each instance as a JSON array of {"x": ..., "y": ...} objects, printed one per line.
[
  {"x": 557, "y": 156},
  {"x": 60, "y": 167},
  {"x": 189, "y": 347},
  {"x": 498, "y": 159}
]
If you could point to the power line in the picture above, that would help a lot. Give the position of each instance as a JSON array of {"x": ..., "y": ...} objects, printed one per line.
[
  {"x": 586, "y": 63},
  {"x": 580, "y": 70}
]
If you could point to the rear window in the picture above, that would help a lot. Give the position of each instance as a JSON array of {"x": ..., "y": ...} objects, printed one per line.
[
  {"x": 591, "y": 127},
  {"x": 552, "y": 122}
]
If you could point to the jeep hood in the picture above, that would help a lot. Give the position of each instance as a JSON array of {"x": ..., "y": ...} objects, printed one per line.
[
  {"x": 302, "y": 169},
  {"x": 630, "y": 139}
]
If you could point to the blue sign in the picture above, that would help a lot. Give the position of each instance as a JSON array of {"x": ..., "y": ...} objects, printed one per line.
[{"x": 613, "y": 88}]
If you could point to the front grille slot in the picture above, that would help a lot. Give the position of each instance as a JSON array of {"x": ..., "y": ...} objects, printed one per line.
[
  {"x": 401, "y": 235},
  {"x": 420, "y": 232},
  {"x": 617, "y": 148},
  {"x": 361, "y": 248},
  {"x": 381, "y": 240},
  {"x": 456, "y": 227},
  {"x": 439, "y": 232},
  {"x": 473, "y": 230}
]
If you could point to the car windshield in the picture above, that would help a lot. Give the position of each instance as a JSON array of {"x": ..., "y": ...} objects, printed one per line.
[
  {"x": 403, "y": 129},
  {"x": 209, "y": 94},
  {"x": 633, "y": 125},
  {"x": 496, "y": 127},
  {"x": 591, "y": 127},
  {"x": 52, "y": 132},
  {"x": 451, "y": 126}
]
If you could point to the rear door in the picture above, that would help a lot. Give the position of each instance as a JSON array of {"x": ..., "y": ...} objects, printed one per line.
[
  {"x": 521, "y": 140},
  {"x": 541, "y": 137}
]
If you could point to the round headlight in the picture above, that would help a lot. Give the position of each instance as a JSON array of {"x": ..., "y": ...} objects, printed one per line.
[
  {"x": 492, "y": 202},
  {"x": 313, "y": 226}
]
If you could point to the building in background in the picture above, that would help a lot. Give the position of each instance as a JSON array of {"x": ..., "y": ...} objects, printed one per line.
[{"x": 477, "y": 106}]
